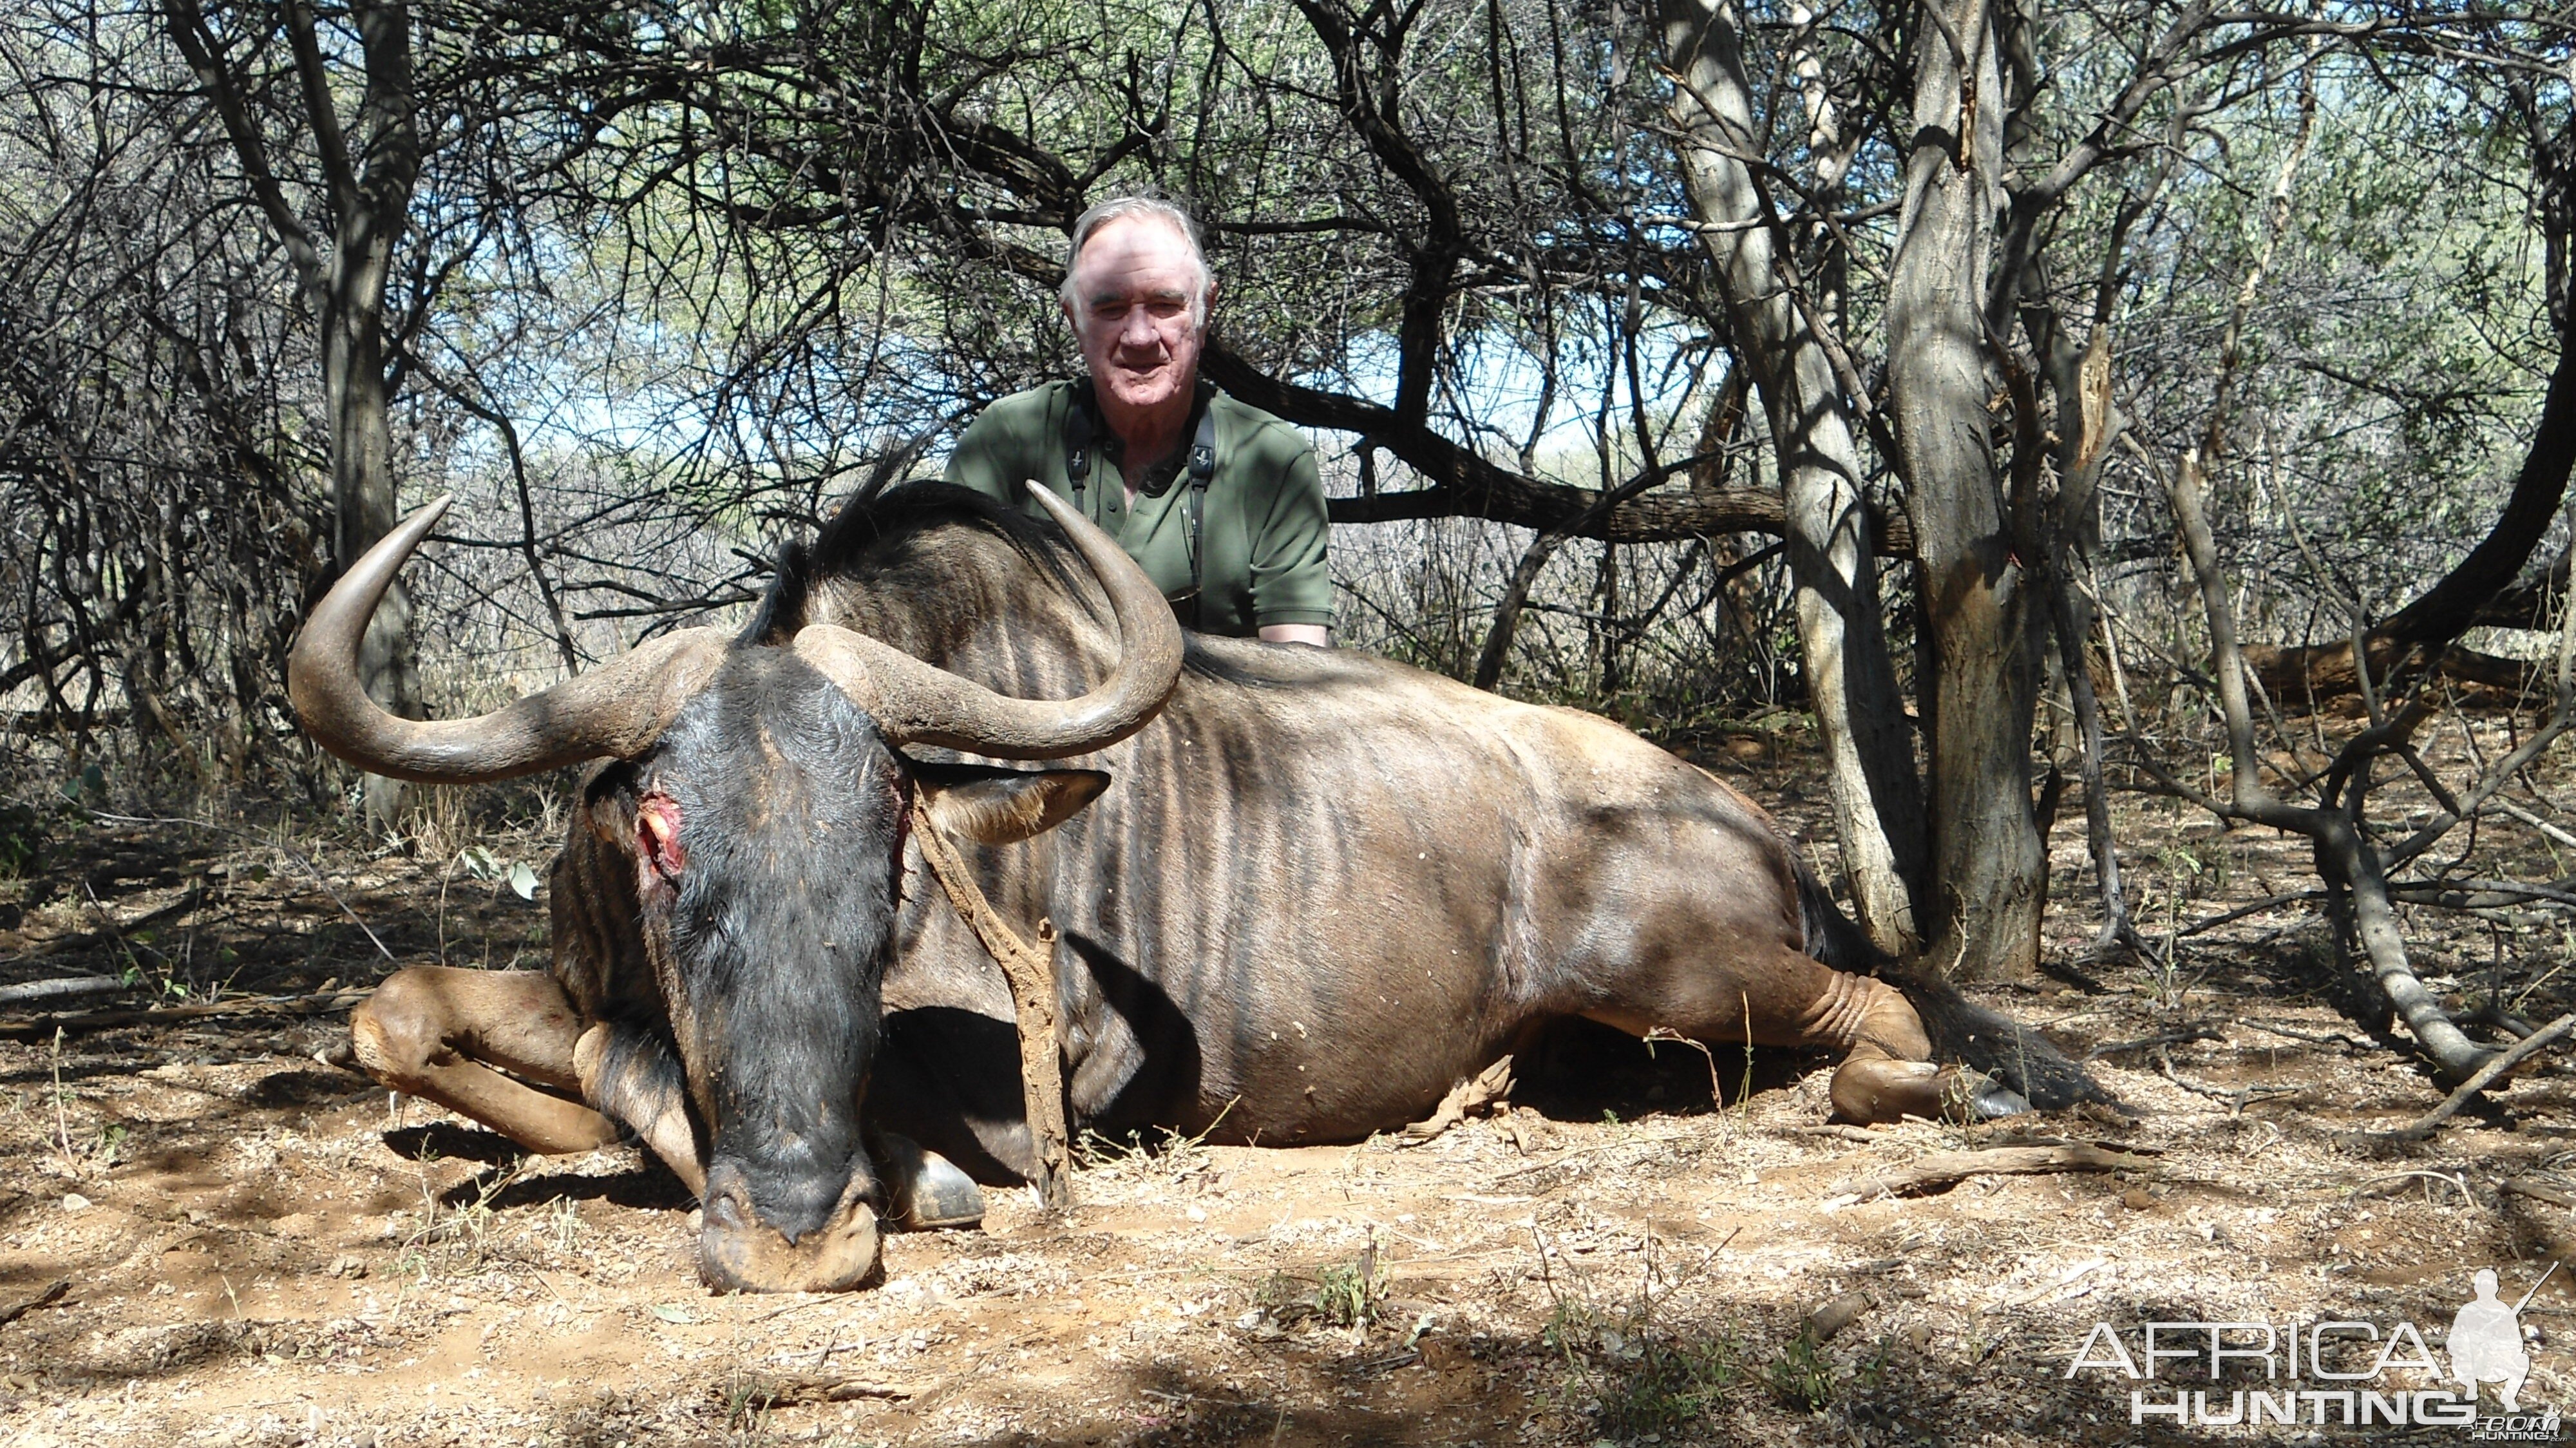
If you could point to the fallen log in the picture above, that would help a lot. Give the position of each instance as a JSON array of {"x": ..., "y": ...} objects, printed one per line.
[
  {"x": 59, "y": 988},
  {"x": 1946, "y": 1169},
  {"x": 2297, "y": 675}
]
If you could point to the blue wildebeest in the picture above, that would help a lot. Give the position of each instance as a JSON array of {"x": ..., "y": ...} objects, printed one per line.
[{"x": 1323, "y": 888}]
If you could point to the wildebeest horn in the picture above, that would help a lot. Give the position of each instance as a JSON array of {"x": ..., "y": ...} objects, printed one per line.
[
  {"x": 618, "y": 708},
  {"x": 914, "y": 702}
]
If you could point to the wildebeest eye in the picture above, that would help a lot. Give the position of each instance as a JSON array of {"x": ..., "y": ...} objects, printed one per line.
[{"x": 657, "y": 834}]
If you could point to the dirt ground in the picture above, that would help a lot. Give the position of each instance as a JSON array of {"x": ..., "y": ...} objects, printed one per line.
[{"x": 257, "y": 1249}]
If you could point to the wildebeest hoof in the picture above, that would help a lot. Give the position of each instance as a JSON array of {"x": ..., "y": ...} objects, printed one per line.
[
  {"x": 1976, "y": 1096},
  {"x": 924, "y": 1190}
]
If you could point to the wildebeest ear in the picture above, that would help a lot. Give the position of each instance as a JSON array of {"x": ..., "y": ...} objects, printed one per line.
[
  {"x": 608, "y": 801},
  {"x": 1002, "y": 806}
]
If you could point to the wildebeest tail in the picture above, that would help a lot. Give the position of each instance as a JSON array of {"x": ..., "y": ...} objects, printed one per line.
[
  {"x": 1963, "y": 1031},
  {"x": 1831, "y": 935},
  {"x": 1960, "y": 1029}
]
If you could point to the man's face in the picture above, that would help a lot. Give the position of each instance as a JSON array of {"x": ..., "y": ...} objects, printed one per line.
[{"x": 1134, "y": 282}]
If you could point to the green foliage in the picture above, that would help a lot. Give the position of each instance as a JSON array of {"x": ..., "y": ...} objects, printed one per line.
[
  {"x": 1349, "y": 1294},
  {"x": 1800, "y": 1377},
  {"x": 1668, "y": 1384},
  {"x": 22, "y": 841},
  {"x": 1638, "y": 1374}
]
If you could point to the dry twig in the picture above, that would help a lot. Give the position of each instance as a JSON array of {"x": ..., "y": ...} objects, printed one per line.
[
  {"x": 2503, "y": 1061},
  {"x": 83, "y": 1022},
  {"x": 51, "y": 1295},
  {"x": 1488, "y": 1089}
]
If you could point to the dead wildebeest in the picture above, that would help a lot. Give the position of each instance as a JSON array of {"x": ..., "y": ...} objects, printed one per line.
[{"x": 1322, "y": 889}]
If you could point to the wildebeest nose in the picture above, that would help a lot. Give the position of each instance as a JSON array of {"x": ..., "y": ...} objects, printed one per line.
[
  {"x": 791, "y": 1204},
  {"x": 728, "y": 1205}
]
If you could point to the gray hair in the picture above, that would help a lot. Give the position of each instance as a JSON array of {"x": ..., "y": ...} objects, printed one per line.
[{"x": 1156, "y": 208}]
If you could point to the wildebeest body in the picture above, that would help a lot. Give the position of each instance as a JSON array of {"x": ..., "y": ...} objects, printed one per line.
[{"x": 1298, "y": 894}]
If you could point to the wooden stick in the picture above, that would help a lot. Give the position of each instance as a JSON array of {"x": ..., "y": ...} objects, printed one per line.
[
  {"x": 70, "y": 985},
  {"x": 787, "y": 1389},
  {"x": 1946, "y": 1169},
  {"x": 2537, "y": 1191},
  {"x": 1032, "y": 977},
  {"x": 52, "y": 1293}
]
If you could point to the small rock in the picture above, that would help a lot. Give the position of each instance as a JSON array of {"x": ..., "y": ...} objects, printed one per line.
[
  {"x": 347, "y": 1266},
  {"x": 2136, "y": 1199},
  {"x": 75, "y": 1202}
]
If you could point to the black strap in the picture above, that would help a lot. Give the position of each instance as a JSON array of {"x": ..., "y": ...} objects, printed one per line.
[
  {"x": 1082, "y": 431},
  {"x": 1202, "y": 472},
  {"x": 1078, "y": 436}
]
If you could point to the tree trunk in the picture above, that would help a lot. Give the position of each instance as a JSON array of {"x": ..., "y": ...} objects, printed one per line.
[
  {"x": 341, "y": 271},
  {"x": 1851, "y": 685},
  {"x": 372, "y": 209},
  {"x": 1975, "y": 653}
]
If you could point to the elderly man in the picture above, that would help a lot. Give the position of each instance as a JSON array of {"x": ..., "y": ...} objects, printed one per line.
[{"x": 1220, "y": 503}]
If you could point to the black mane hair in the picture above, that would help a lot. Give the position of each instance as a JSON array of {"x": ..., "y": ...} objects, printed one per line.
[{"x": 869, "y": 517}]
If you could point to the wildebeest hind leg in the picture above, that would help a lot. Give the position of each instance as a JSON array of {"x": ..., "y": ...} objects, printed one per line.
[
  {"x": 1887, "y": 1071},
  {"x": 439, "y": 1032}
]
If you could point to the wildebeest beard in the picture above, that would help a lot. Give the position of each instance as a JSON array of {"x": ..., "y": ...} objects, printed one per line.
[{"x": 762, "y": 828}]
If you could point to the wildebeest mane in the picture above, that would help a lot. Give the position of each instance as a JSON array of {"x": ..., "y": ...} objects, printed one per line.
[{"x": 870, "y": 530}]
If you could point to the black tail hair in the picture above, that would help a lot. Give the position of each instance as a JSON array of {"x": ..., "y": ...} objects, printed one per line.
[{"x": 1960, "y": 1029}]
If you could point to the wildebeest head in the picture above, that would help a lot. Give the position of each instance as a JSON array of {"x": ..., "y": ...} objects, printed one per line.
[{"x": 758, "y": 800}]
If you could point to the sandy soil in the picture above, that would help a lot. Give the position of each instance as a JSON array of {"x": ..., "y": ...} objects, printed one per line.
[{"x": 260, "y": 1250}]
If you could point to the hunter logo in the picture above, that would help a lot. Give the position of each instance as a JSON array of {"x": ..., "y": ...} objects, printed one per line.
[
  {"x": 2330, "y": 1372},
  {"x": 2486, "y": 1341}
]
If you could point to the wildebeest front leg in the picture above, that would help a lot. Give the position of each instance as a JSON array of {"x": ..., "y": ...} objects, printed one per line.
[
  {"x": 439, "y": 1033},
  {"x": 631, "y": 1075}
]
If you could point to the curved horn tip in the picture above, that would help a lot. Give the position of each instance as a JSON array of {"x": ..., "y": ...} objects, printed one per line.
[
  {"x": 428, "y": 514},
  {"x": 1047, "y": 499}
]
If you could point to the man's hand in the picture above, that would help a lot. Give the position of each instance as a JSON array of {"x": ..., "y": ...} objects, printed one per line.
[{"x": 1297, "y": 633}]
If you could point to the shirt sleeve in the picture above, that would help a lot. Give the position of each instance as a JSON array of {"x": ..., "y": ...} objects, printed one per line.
[
  {"x": 1292, "y": 576},
  {"x": 984, "y": 454}
]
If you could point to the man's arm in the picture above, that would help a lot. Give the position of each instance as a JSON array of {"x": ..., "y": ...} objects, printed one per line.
[
  {"x": 982, "y": 458},
  {"x": 1292, "y": 576},
  {"x": 1008, "y": 441}
]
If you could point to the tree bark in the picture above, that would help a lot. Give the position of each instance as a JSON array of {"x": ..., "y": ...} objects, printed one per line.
[
  {"x": 1975, "y": 653},
  {"x": 1851, "y": 684}
]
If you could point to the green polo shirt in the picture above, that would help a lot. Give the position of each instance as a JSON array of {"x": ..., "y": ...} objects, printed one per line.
[{"x": 1261, "y": 543}]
